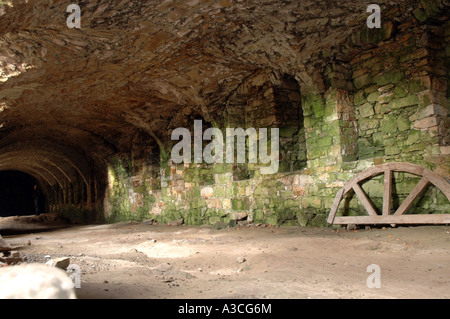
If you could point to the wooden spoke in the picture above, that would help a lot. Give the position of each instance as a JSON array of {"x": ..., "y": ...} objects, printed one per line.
[
  {"x": 387, "y": 195},
  {"x": 364, "y": 199},
  {"x": 335, "y": 206},
  {"x": 420, "y": 187}
]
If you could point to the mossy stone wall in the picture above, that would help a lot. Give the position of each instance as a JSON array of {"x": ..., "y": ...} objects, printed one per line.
[{"x": 394, "y": 107}]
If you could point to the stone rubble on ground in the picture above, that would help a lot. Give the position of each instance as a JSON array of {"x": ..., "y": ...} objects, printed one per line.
[
  {"x": 11, "y": 258},
  {"x": 4, "y": 246},
  {"x": 10, "y": 255}
]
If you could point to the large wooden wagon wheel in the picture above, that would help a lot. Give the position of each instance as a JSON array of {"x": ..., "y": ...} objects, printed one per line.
[{"x": 399, "y": 217}]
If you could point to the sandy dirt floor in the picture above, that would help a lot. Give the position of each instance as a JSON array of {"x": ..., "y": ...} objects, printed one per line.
[{"x": 134, "y": 260}]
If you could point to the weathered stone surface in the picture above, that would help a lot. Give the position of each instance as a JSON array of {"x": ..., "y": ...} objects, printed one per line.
[
  {"x": 433, "y": 109},
  {"x": 207, "y": 192},
  {"x": 445, "y": 150},
  {"x": 403, "y": 124},
  {"x": 239, "y": 215},
  {"x": 426, "y": 123},
  {"x": 366, "y": 110},
  {"x": 404, "y": 102}
]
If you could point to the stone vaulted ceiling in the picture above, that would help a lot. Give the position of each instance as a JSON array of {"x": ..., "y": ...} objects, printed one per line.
[{"x": 68, "y": 96}]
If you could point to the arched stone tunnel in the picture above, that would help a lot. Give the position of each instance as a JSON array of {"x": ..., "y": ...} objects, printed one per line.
[{"x": 88, "y": 112}]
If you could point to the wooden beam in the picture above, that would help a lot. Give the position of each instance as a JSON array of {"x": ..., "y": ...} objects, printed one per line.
[
  {"x": 394, "y": 219},
  {"x": 364, "y": 199},
  {"x": 420, "y": 187},
  {"x": 387, "y": 192},
  {"x": 404, "y": 167}
]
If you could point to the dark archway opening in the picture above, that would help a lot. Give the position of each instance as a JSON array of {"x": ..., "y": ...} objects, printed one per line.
[{"x": 16, "y": 194}]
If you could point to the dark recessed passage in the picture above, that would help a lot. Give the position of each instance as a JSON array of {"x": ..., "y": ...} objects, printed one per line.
[{"x": 16, "y": 194}]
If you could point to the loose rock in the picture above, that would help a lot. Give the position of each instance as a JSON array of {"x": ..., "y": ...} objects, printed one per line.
[
  {"x": 61, "y": 263},
  {"x": 35, "y": 281},
  {"x": 220, "y": 225},
  {"x": 177, "y": 222},
  {"x": 148, "y": 221}
]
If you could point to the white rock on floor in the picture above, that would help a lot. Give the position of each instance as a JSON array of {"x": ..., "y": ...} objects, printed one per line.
[{"x": 35, "y": 281}]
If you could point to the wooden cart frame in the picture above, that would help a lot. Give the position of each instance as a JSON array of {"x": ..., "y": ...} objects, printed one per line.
[{"x": 399, "y": 216}]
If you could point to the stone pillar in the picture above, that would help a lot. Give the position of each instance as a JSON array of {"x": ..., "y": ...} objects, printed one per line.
[{"x": 330, "y": 129}]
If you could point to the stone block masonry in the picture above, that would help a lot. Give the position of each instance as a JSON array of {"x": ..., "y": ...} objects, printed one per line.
[
  {"x": 89, "y": 112},
  {"x": 402, "y": 116},
  {"x": 394, "y": 109}
]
